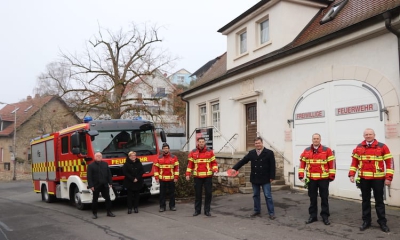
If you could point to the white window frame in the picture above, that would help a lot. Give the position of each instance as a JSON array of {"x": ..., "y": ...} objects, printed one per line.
[
  {"x": 258, "y": 30},
  {"x": 242, "y": 48},
  {"x": 181, "y": 79},
  {"x": 263, "y": 41},
  {"x": 203, "y": 115},
  {"x": 216, "y": 115}
]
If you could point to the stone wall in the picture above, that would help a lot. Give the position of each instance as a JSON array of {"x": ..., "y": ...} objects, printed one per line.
[
  {"x": 230, "y": 184},
  {"x": 233, "y": 184}
]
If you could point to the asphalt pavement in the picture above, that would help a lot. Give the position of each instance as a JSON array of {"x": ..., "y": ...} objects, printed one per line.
[
  {"x": 291, "y": 210},
  {"x": 24, "y": 216}
]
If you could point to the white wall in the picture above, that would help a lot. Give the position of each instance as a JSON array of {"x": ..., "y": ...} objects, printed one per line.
[
  {"x": 285, "y": 23},
  {"x": 374, "y": 61}
]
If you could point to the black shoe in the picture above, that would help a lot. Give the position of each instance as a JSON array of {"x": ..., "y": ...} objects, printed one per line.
[
  {"x": 384, "y": 228},
  {"x": 272, "y": 217},
  {"x": 326, "y": 221},
  {"x": 110, "y": 214},
  {"x": 94, "y": 216},
  {"x": 172, "y": 208},
  {"x": 311, "y": 220},
  {"x": 365, "y": 225},
  {"x": 255, "y": 214},
  {"x": 208, "y": 214},
  {"x": 161, "y": 209},
  {"x": 195, "y": 214},
  {"x": 135, "y": 210},
  {"x": 129, "y": 210}
]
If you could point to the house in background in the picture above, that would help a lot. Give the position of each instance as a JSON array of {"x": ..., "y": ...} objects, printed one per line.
[
  {"x": 208, "y": 67},
  {"x": 154, "y": 101},
  {"x": 332, "y": 69},
  {"x": 34, "y": 117},
  {"x": 181, "y": 77}
]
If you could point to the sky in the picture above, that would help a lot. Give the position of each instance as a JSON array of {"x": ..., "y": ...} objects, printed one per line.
[{"x": 33, "y": 33}]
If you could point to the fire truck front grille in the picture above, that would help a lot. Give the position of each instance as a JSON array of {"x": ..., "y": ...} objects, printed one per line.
[{"x": 116, "y": 171}]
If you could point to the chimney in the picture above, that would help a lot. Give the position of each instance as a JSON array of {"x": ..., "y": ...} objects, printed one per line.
[
  {"x": 37, "y": 95},
  {"x": 29, "y": 97}
]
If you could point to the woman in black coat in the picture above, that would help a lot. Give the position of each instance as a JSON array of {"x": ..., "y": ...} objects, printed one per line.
[{"x": 133, "y": 182}]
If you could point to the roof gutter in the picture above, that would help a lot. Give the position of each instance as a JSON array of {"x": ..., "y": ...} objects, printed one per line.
[{"x": 389, "y": 27}]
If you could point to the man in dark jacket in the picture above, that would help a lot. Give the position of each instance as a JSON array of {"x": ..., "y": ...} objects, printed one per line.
[
  {"x": 99, "y": 181},
  {"x": 261, "y": 175}
]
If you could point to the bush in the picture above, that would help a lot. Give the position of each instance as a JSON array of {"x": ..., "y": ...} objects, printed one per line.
[{"x": 183, "y": 188}]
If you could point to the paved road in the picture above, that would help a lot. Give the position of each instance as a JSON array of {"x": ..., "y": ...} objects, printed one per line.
[{"x": 24, "y": 216}]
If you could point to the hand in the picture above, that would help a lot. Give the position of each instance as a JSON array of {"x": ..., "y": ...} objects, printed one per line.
[
  {"x": 92, "y": 188},
  {"x": 135, "y": 180},
  {"x": 387, "y": 183},
  {"x": 352, "y": 179},
  {"x": 158, "y": 181},
  {"x": 302, "y": 180},
  {"x": 109, "y": 185},
  {"x": 271, "y": 180},
  {"x": 187, "y": 178},
  {"x": 233, "y": 171},
  {"x": 175, "y": 180}
]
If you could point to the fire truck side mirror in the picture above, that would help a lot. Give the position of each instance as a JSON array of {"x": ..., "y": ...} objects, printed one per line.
[
  {"x": 93, "y": 133},
  {"x": 163, "y": 137},
  {"x": 75, "y": 143}
]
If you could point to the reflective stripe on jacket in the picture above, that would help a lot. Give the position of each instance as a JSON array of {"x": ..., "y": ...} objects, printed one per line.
[
  {"x": 201, "y": 163},
  {"x": 372, "y": 162},
  {"x": 166, "y": 168},
  {"x": 319, "y": 163}
]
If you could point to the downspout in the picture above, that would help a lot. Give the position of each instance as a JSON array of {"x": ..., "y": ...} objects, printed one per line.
[
  {"x": 187, "y": 117},
  {"x": 389, "y": 27}
]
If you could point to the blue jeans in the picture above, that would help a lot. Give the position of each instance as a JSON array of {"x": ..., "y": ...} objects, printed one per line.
[{"x": 268, "y": 197}]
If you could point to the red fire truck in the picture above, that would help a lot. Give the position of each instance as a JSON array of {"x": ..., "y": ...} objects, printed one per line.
[{"x": 60, "y": 159}]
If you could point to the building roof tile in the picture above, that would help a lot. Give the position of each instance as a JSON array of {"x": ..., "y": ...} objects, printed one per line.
[{"x": 26, "y": 109}]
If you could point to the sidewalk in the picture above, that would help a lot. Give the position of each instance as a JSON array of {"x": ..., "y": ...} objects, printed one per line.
[{"x": 291, "y": 210}]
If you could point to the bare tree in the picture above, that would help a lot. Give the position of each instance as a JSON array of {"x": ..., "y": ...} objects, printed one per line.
[
  {"x": 54, "y": 80},
  {"x": 179, "y": 106},
  {"x": 112, "y": 61}
]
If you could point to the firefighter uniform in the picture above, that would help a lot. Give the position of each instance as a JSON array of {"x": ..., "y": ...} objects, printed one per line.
[
  {"x": 370, "y": 161},
  {"x": 166, "y": 170},
  {"x": 319, "y": 164},
  {"x": 202, "y": 165}
]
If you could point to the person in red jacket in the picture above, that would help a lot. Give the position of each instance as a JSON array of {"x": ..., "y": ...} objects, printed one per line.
[
  {"x": 371, "y": 158},
  {"x": 319, "y": 163},
  {"x": 166, "y": 172},
  {"x": 202, "y": 165}
]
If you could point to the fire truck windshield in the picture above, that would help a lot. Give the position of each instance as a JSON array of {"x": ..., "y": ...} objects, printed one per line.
[{"x": 140, "y": 141}]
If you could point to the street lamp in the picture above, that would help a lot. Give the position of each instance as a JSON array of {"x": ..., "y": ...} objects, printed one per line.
[{"x": 14, "y": 137}]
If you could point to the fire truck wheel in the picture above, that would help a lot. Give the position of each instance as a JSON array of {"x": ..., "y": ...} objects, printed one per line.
[
  {"x": 77, "y": 200},
  {"x": 46, "y": 197}
]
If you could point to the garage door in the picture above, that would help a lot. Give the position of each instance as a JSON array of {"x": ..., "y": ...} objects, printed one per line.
[{"x": 339, "y": 111}]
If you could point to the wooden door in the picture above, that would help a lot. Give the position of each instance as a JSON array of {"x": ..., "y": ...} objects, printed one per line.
[{"x": 251, "y": 125}]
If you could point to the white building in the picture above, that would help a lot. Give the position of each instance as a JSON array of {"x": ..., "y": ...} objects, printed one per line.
[
  {"x": 294, "y": 68},
  {"x": 153, "y": 101}
]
